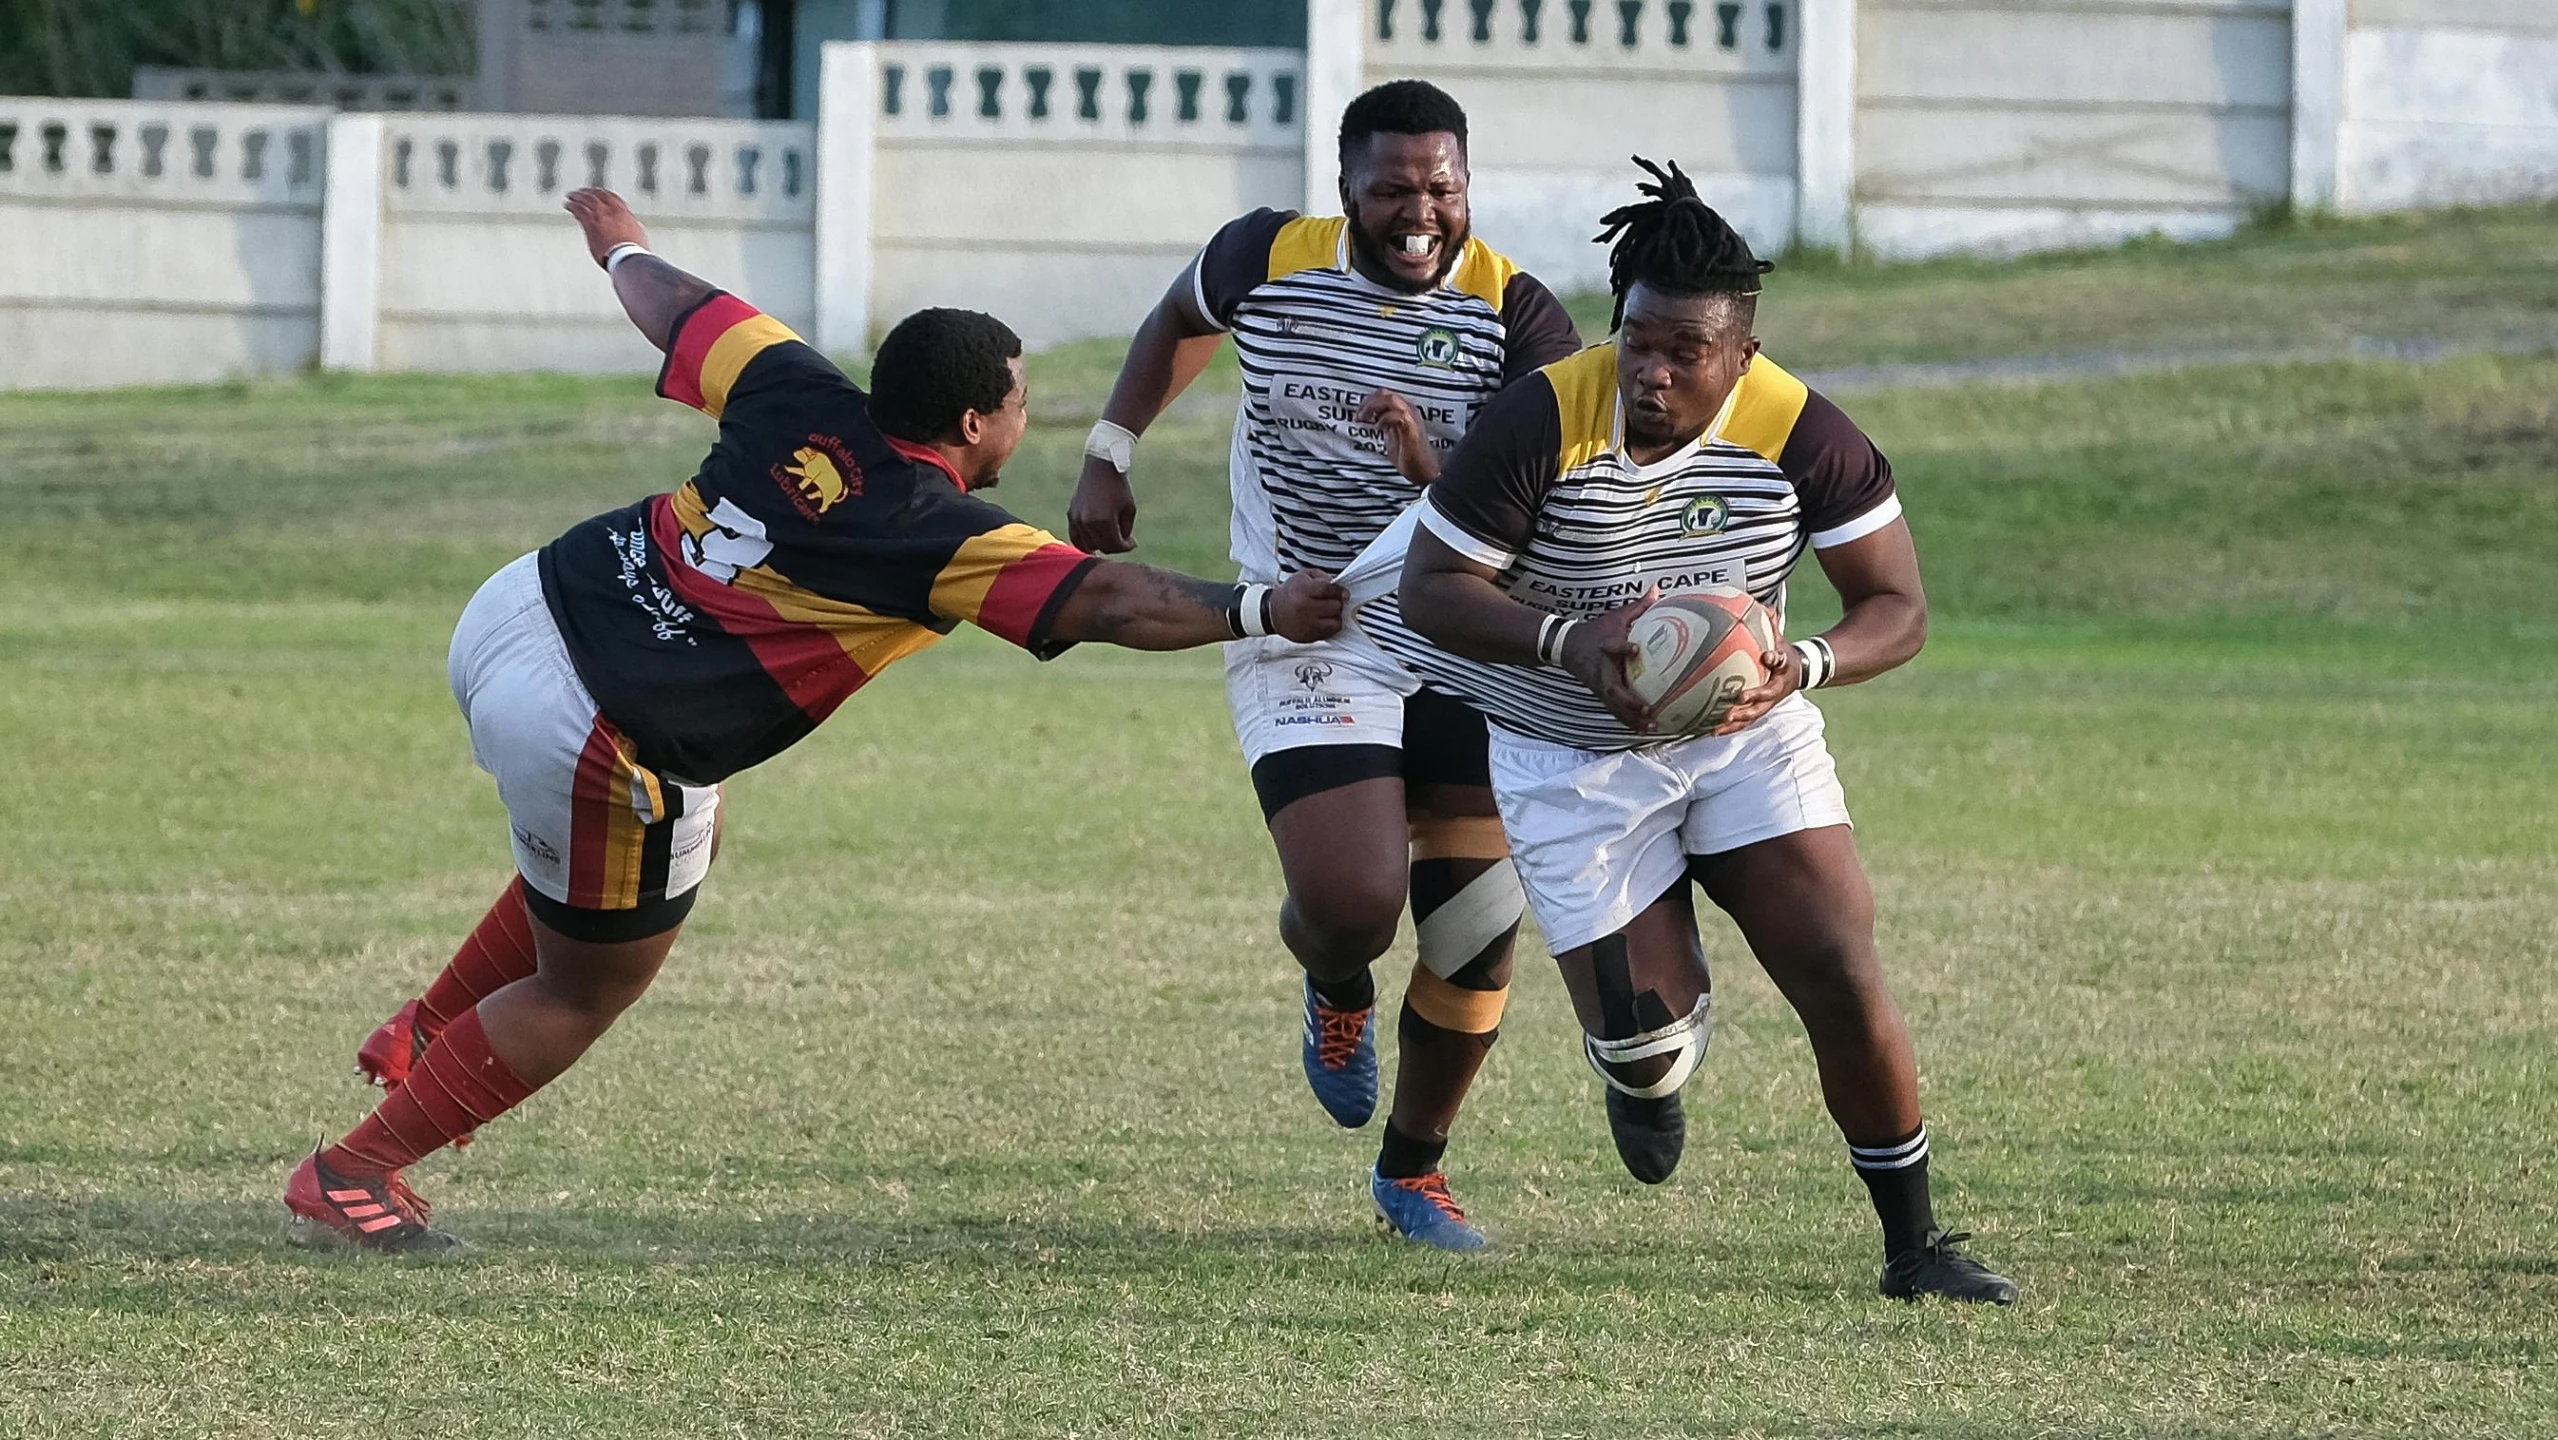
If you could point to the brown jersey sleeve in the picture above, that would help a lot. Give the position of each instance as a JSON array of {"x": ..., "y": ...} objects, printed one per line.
[
  {"x": 1843, "y": 481},
  {"x": 1235, "y": 262},
  {"x": 1539, "y": 330},
  {"x": 1484, "y": 504}
]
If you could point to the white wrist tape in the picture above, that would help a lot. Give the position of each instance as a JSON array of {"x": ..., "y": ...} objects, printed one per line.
[
  {"x": 622, "y": 252},
  {"x": 1114, "y": 443},
  {"x": 1252, "y": 611},
  {"x": 1550, "y": 638},
  {"x": 1819, "y": 661}
]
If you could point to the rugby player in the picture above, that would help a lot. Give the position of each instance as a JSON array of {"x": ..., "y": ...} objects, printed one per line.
[
  {"x": 1367, "y": 342},
  {"x": 1674, "y": 458},
  {"x": 615, "y": 677}
]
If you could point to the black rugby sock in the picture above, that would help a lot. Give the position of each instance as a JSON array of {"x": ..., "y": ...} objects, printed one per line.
[
  {"x": 1404, "y": 1158},
  {"x": 1895, "y": 1174},
  {"x": 1351, "y": 992}
]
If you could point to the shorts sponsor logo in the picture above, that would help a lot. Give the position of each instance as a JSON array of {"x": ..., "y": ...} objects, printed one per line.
[
  {"x": 1705, "y": 515},
  {"x": 699, "y": 837},
  {"x": 1438, "y": 348},
  {"x": 1314, "y": 674},
  {"x": 537, "y": 847},
  {"x": 819, "y": 475},
  {"x": 1335, "y": 719}
]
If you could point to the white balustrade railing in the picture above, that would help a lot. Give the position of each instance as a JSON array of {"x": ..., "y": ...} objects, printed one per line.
[
  {"x": 1654, "y": 35},
  {"x": 175, "y": 152},
  {"x": 1088, "y": 94},
  {"x": 702, "y": 169}
]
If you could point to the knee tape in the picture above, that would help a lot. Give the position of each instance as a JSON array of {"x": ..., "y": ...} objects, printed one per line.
[
  {"x": 1485, "y": 910},
  {"x": 1454, "y": 1007},
  {"x": 1683, "y": 1040},
  {"x": 1458, "y": 837}
]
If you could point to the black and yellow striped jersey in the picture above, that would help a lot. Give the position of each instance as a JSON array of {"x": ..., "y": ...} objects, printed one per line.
[
  {"x": 1312, "y": 485},
  {"x": 1543, "y": 492}
]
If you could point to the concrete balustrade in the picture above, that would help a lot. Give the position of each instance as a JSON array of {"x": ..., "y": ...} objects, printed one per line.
[{"x": 1062, "y": 187}]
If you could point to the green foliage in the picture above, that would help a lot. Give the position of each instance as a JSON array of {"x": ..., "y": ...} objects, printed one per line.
[{"x": 90, "y": 47}]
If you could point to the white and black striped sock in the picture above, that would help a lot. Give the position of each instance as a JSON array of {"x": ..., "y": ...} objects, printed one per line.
[{"x": 1895, "y": 1174}]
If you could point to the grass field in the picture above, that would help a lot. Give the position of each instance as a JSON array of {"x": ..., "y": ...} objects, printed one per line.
[{"x": 2213, "y": 832}]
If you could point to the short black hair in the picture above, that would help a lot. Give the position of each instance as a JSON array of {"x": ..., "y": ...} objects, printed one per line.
[
  {"x": 1401, "y": 107},
  {"x": 1673, "y": 241},
  {"x": 938, "y": 365}
]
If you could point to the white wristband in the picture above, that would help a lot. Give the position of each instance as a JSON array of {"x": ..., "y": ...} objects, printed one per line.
[
  {"x": 1114, "y": 443},
  {"x": 622, "y": 252},
  {"x": 1550, "y": 639},
  {"x": 1818, "y": 660},
  {"x": 1252, "y": 610}
]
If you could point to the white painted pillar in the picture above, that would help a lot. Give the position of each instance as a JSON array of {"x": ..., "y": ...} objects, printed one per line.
[
  {"x": 351, "y": 243},
  {"x": 1825, "y": 124},
  {"x": 1336, "y": 71},
  {"x": 2318, "y": 101},
  {"x": 847, "y": 164}
]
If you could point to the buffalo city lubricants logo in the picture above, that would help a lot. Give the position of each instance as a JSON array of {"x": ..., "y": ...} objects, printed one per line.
[
  {"x": 819, "y": 475},
  {"x": 1705, "y": 515},
  {"x": 1438, "y": 348}
]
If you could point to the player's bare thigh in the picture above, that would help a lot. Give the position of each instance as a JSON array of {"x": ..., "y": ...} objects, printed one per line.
[
  {"x": 1657, "y": 953},
  {"x": 1344, "y": 853}
]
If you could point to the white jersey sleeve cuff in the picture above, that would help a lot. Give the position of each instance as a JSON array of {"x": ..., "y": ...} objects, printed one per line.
[
  {"x": 1862, "y": 526},
  {"x": 1199, "y": 291},
  {"x": 1454, "y": 536}
]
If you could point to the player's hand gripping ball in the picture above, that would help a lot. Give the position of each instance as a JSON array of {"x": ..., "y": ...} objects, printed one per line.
[{"x": 1696, "y": 652}]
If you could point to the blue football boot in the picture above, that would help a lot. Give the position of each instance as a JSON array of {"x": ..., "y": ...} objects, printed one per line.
[
  {"x": 1420, "y": 1210},
  {"x": 1341, "y": 1059}
]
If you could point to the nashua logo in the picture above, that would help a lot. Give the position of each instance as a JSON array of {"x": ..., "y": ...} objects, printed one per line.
[{"x": 1705, "y": 515}]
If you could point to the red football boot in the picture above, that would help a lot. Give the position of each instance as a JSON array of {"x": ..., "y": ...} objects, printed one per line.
[{"x": 378, "y": 1212}]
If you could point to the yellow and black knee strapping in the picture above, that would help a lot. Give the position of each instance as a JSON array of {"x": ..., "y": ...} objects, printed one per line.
[{"x": 1453, "y": 1007}]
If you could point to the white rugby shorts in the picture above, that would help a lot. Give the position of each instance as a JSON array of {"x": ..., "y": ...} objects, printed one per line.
[
  {"x": 591, "y": 827},
  {"x": 1600, "y": 835},
  {"x": 1286, "y": 696}
]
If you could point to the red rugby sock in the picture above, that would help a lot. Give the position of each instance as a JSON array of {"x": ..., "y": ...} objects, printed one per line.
[
  {"x": 499, "y": 953},
  {"x": 460, "y": 1085}
]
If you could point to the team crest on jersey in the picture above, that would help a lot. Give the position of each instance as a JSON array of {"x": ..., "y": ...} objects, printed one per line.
[
  {"x": 1438, "y": 347},
  {"x": 819, "y": 475},
  {"x": 1705, "y": 515}
]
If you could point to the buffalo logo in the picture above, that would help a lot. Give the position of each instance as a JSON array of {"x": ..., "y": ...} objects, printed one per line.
[
  {"x": 1705, "y": 515},
  {"x": 1438, "y": 348},
  {"x": 1313, "y": 673},
  {"x": 815, "y": 476}
]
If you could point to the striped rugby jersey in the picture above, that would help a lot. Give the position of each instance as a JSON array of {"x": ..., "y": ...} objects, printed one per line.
[
  {"x": 717, "y": 625},
  {"x": 1543, "y": 491},
  {"x": 1312, "y": 486}
]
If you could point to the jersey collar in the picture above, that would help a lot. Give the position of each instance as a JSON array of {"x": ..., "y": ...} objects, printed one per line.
[{"x": 925, "y": 455}]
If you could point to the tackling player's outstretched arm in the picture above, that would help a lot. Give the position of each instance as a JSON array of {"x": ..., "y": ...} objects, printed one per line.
[
  {"x": 1142, "y": 608},
  {"x": 653, "y": 293}
]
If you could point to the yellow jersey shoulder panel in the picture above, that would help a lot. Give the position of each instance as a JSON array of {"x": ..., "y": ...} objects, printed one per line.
[
  {"x": 1483, "y": 273},
  {"x": 1764, "y": 412},
  {"x": 1585, "y": 401},
  {"x": 1309, "y": 242}
]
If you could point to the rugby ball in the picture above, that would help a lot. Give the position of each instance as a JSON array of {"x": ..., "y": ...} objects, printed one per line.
[{"x": 1695, "y": 652}]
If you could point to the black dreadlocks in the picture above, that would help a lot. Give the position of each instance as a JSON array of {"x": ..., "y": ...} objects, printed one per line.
[{"x": 1675, "y": 242}]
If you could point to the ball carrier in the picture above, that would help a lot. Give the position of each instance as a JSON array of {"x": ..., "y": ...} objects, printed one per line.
[
  {"x": 1368, "y": 344},
  {"x": 1675, "y": 459}
]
